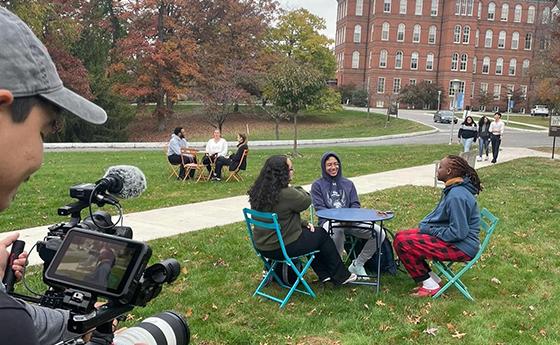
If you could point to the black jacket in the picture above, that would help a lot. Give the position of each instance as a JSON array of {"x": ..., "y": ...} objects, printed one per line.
[{"x": 236, "y": 158}]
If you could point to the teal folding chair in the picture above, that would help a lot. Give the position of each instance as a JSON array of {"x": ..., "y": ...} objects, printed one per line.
[
  {"x": 266, "y": 221},
  {"x": 488, "y": 224}
]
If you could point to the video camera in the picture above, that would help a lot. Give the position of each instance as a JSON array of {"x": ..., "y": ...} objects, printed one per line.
[{"x": 96, "y": 258}]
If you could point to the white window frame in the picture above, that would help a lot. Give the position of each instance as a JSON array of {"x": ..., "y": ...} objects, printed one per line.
[
  {"x": 491, "y": 11},
  {"x": 531, "y": 11},
  {"x": 466, "y": 34},
  {"x": 412, "y": 81},
  {"x": 455, "y": 61},
  {"x": 418, "y": 7},
  {"x": 399, "y": 59},
  {"x": 403, "y": 6},
  {"x": 483, "y": 88},
  {"x": 357, "y": 33},
  {"x": 416, "y": 33},
  {"x": 386, "y": 6},
  {"x": 383, "y": 58},
  {"x": 488, "y": 36},
  {"x": 401, "y": 29},
  {"x": 414, "y": 57},
  {"x": 502, "y": 40},
  {"x": 517, "y": 13},
  {"x": 497, "y": 91},
  {"x": 430, "y": 62},
  {"x": 385, "y": 29},
  {"x": 528, "y": 41},
  {"x": 474, "y": 64},
  {"x": 499, "y": 66},
  {"x": 457, "y": 34},
  {"x": 463, "y": 64},
  {"x": 545, "y": 15},
  {"x": 432, "y": 34},
  {"x": 355, "y": 59},
  {"x": 515, "y": 40},
  {"x": 359, "y": 7},
  {"x": 380, "y": 84},
  {"x": 504, "y": 14},
  {"x": 485, "y": 65},
  {"x": 396, "y": 85},
  {"x": 525, "y": 68},
  {"x": 512, "y": 67},
  {"x": 434, "y": 8}
]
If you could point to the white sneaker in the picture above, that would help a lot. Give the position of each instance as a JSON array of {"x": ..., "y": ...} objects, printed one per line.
[
  {"x": 486, "y": 158},
  {"x": 479, "y": 159},
  {"x": 353, "y": 277},
  {"x": 358, "y": 270}
]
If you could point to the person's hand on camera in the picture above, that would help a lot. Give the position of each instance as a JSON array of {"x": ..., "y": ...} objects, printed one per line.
[
  {"x": 4, "y": 253},
  {"x": 19, "y": 265}
]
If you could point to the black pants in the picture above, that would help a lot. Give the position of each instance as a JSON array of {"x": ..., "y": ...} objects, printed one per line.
[
  {"x": 176, "y": 160},
  {"x": 220, "y": 162},
  {"x": 496, "y": 141},
  {"x": 327, "y": 262}
]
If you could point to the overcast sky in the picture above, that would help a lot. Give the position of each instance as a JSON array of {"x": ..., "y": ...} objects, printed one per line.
[{"x": 325, "y": 9}]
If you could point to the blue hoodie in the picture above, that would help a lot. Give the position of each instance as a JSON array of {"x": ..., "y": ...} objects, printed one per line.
[
  {"x": 333, "y": 192},
  {"x": 456, "y": 219}
]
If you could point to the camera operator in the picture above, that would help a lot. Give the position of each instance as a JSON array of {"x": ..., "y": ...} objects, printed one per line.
[{"x": 32, "y": 98}]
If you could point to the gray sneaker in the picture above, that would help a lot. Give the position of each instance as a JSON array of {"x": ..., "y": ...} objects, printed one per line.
[{"x": 353, "y": 277}]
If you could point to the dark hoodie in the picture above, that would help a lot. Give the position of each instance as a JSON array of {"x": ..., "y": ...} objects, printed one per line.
[
  {"x": 333, "y": 192},
  {"x": 456, "y": 219}
]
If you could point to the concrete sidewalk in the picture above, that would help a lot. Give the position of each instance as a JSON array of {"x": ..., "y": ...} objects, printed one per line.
[{"x": 164, "y": 222}]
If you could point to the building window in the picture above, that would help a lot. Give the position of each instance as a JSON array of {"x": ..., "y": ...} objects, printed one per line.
[
  {"x": 464, "y": 59},
  {"x": 488, "y": 39},
  {"x": 359, "y": 7},
  {"x": 385, "y": 32},
  {"x": 464, "y": 7},
  {"x": 472, "y": 90},
  {"x": 387, "y": 6},
  {"x": 486, "y": 65},
  {"x": 457, "y": 7},
  {"x": 476, "y": 38},
  {"x": 499, "y": 66},
  {"x": 531, "y": 14},
  {"x": 523, "y": 89},
  {"x": 479, "y": 14},
  {"x": 470, "y": 6},
  {"x": 528, "y": 41},
  {"x": 432, "y": 34},
  {"x": 414, "y": 61},
  {"x": 434, "y": 8},
  {"x": 546, "y": 15},
  {"x": 418, "y": 8},
  {"x": 355, "y": 59},
  {"x": 381, "y": 85},
  {"x": 383, "y": 59},
  {"x": 357, "y": 33},
  {"x": 502, "y": 40},
  {"x": 412, "y": 81},
  {"x": 416, "y": 33},
  {"x": 491, "y": 11},
  {"x": 483, "y": 88},
  {"x": 457, "y": 34},
  {"x": 466, "y": 34},
  {"x": 518, "y": 12},
  {"x": 402, "y": 7},
  {"x": 396, "y": 85},
  {"x": 515, "y": 40},
  {"x": 400, "y": 32},
  {"x": 429, "y": 62},
  {"x": 460, "y": 87},
  {"x": 525, "y": 68},
  {"x": 497, "y": 91},
  {"x": 474, "y": 61},
  {"x": 454, "y": 61},
  {"x": 512, "y": 66},
  {"x": 505, "y": 13},
  {"x": 370, "y": 58},
  {"x": 399, "y": 60},
  {"x": 429, "y": 81}
]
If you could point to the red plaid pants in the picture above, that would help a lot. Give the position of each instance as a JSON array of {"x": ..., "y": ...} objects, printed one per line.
[{"x": 414, "y": 248}]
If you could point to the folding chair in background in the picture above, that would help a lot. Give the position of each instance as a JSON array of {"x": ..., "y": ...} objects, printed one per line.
[
  {"x": 488, "y": 223},
  {"x": 235, "y": 173},
  {"x": 173, "y": 169},
  {"x": 266, "y": 221},
  {"x": 196, "y": 165}
]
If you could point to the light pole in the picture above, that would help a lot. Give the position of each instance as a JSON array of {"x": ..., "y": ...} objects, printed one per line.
[
  {"x": 438, "y": 100},
  {"x": 508, "y": 107},
  {"x": 455, "y": 87}
]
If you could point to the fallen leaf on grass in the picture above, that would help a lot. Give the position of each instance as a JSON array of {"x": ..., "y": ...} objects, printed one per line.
[
  {"x": 215, "y": 307},
  {"x": 542, "y": 332},
  {"x": 458, "y": 335},
  {"x": 431, "y": 331},
  {"x": 413, "y": 319},
  {"x": 495, "y": 281},
  {"x": 380, "y": 303},
  {"x": 312, "y": 312},
  {"x": 385, "y": 328},
  {"x": 189, "y": 312},
  {"x": 450, "y": 327}
]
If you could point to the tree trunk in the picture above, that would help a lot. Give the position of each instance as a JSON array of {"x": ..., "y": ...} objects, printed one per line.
[
  {"x": 160, "y": 111},
  {"x": 277, "y": 128}
]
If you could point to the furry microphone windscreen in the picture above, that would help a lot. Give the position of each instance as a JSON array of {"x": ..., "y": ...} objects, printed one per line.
[{"x": 133, "y": 180}]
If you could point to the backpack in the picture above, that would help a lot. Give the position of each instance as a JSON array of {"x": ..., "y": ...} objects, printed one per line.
[{"x": 388, "y": 262}]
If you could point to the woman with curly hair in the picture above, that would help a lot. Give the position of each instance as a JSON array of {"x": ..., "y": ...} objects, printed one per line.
[
  {"x": 272, "y": 192},
  {"x": 449, "y": 232}
]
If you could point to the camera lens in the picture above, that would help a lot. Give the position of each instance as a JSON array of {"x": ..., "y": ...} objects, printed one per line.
[
  {"x": 162, "y": 329},
  {"x": 164, "y": 272}
]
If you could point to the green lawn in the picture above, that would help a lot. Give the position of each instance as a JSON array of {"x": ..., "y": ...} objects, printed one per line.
[
  {"x": 515, "y": 284},
  {"x": 38, "y": 200},
  {"x": 311, "y": 125}
]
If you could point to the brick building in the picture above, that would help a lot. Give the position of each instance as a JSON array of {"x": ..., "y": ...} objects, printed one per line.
[{"x": 472, "y": 46}]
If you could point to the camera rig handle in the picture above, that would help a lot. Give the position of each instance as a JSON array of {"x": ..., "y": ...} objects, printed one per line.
[
  {"x": 9, "y": 275},
  {"x": 80, "y": 323}
]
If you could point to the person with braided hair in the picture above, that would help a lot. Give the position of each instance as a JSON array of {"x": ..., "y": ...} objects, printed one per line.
[{"x": 448, "y": 233}]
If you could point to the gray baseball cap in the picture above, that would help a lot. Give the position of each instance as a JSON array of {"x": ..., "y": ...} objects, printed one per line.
[{"x": 26, "y": 69}]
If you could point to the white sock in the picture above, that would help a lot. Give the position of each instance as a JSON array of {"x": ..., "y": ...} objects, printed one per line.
[
  {"x": 435, "y": 277},
  {"x": 430, "y": 284}
]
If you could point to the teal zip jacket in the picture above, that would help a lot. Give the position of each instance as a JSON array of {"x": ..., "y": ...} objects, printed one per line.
[{"x": 456, "y": 219}]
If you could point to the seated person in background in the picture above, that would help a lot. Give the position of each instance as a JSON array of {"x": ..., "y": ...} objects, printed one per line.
[
  {"x": 272, "y": 192},
  {"x": 216, "y": 150},
  {"x": 176, "y": 142},
  {"x": 234, "y": 159},
  {"x": 449, "y": 232},
  {"x": 335, "y": 191}
]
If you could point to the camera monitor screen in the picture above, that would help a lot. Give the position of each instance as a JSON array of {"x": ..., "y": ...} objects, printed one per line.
[{"x": 97, "y": 262}]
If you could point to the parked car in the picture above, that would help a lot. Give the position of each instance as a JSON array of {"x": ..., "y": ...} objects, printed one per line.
[
  {"x": 539, "y": 110},
  {"x": 445, "y": 116}
]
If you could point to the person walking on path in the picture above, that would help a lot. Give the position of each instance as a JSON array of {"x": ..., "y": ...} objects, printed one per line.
[
  {"x": 496, "y": 134},
  {"x": 449, "y": 233},
  {"x": 483, "y": 137},
  {"x": 272, "y": 192},
  {"x": 468, "y": 133},
  {"x": 333, "y": 190}
]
